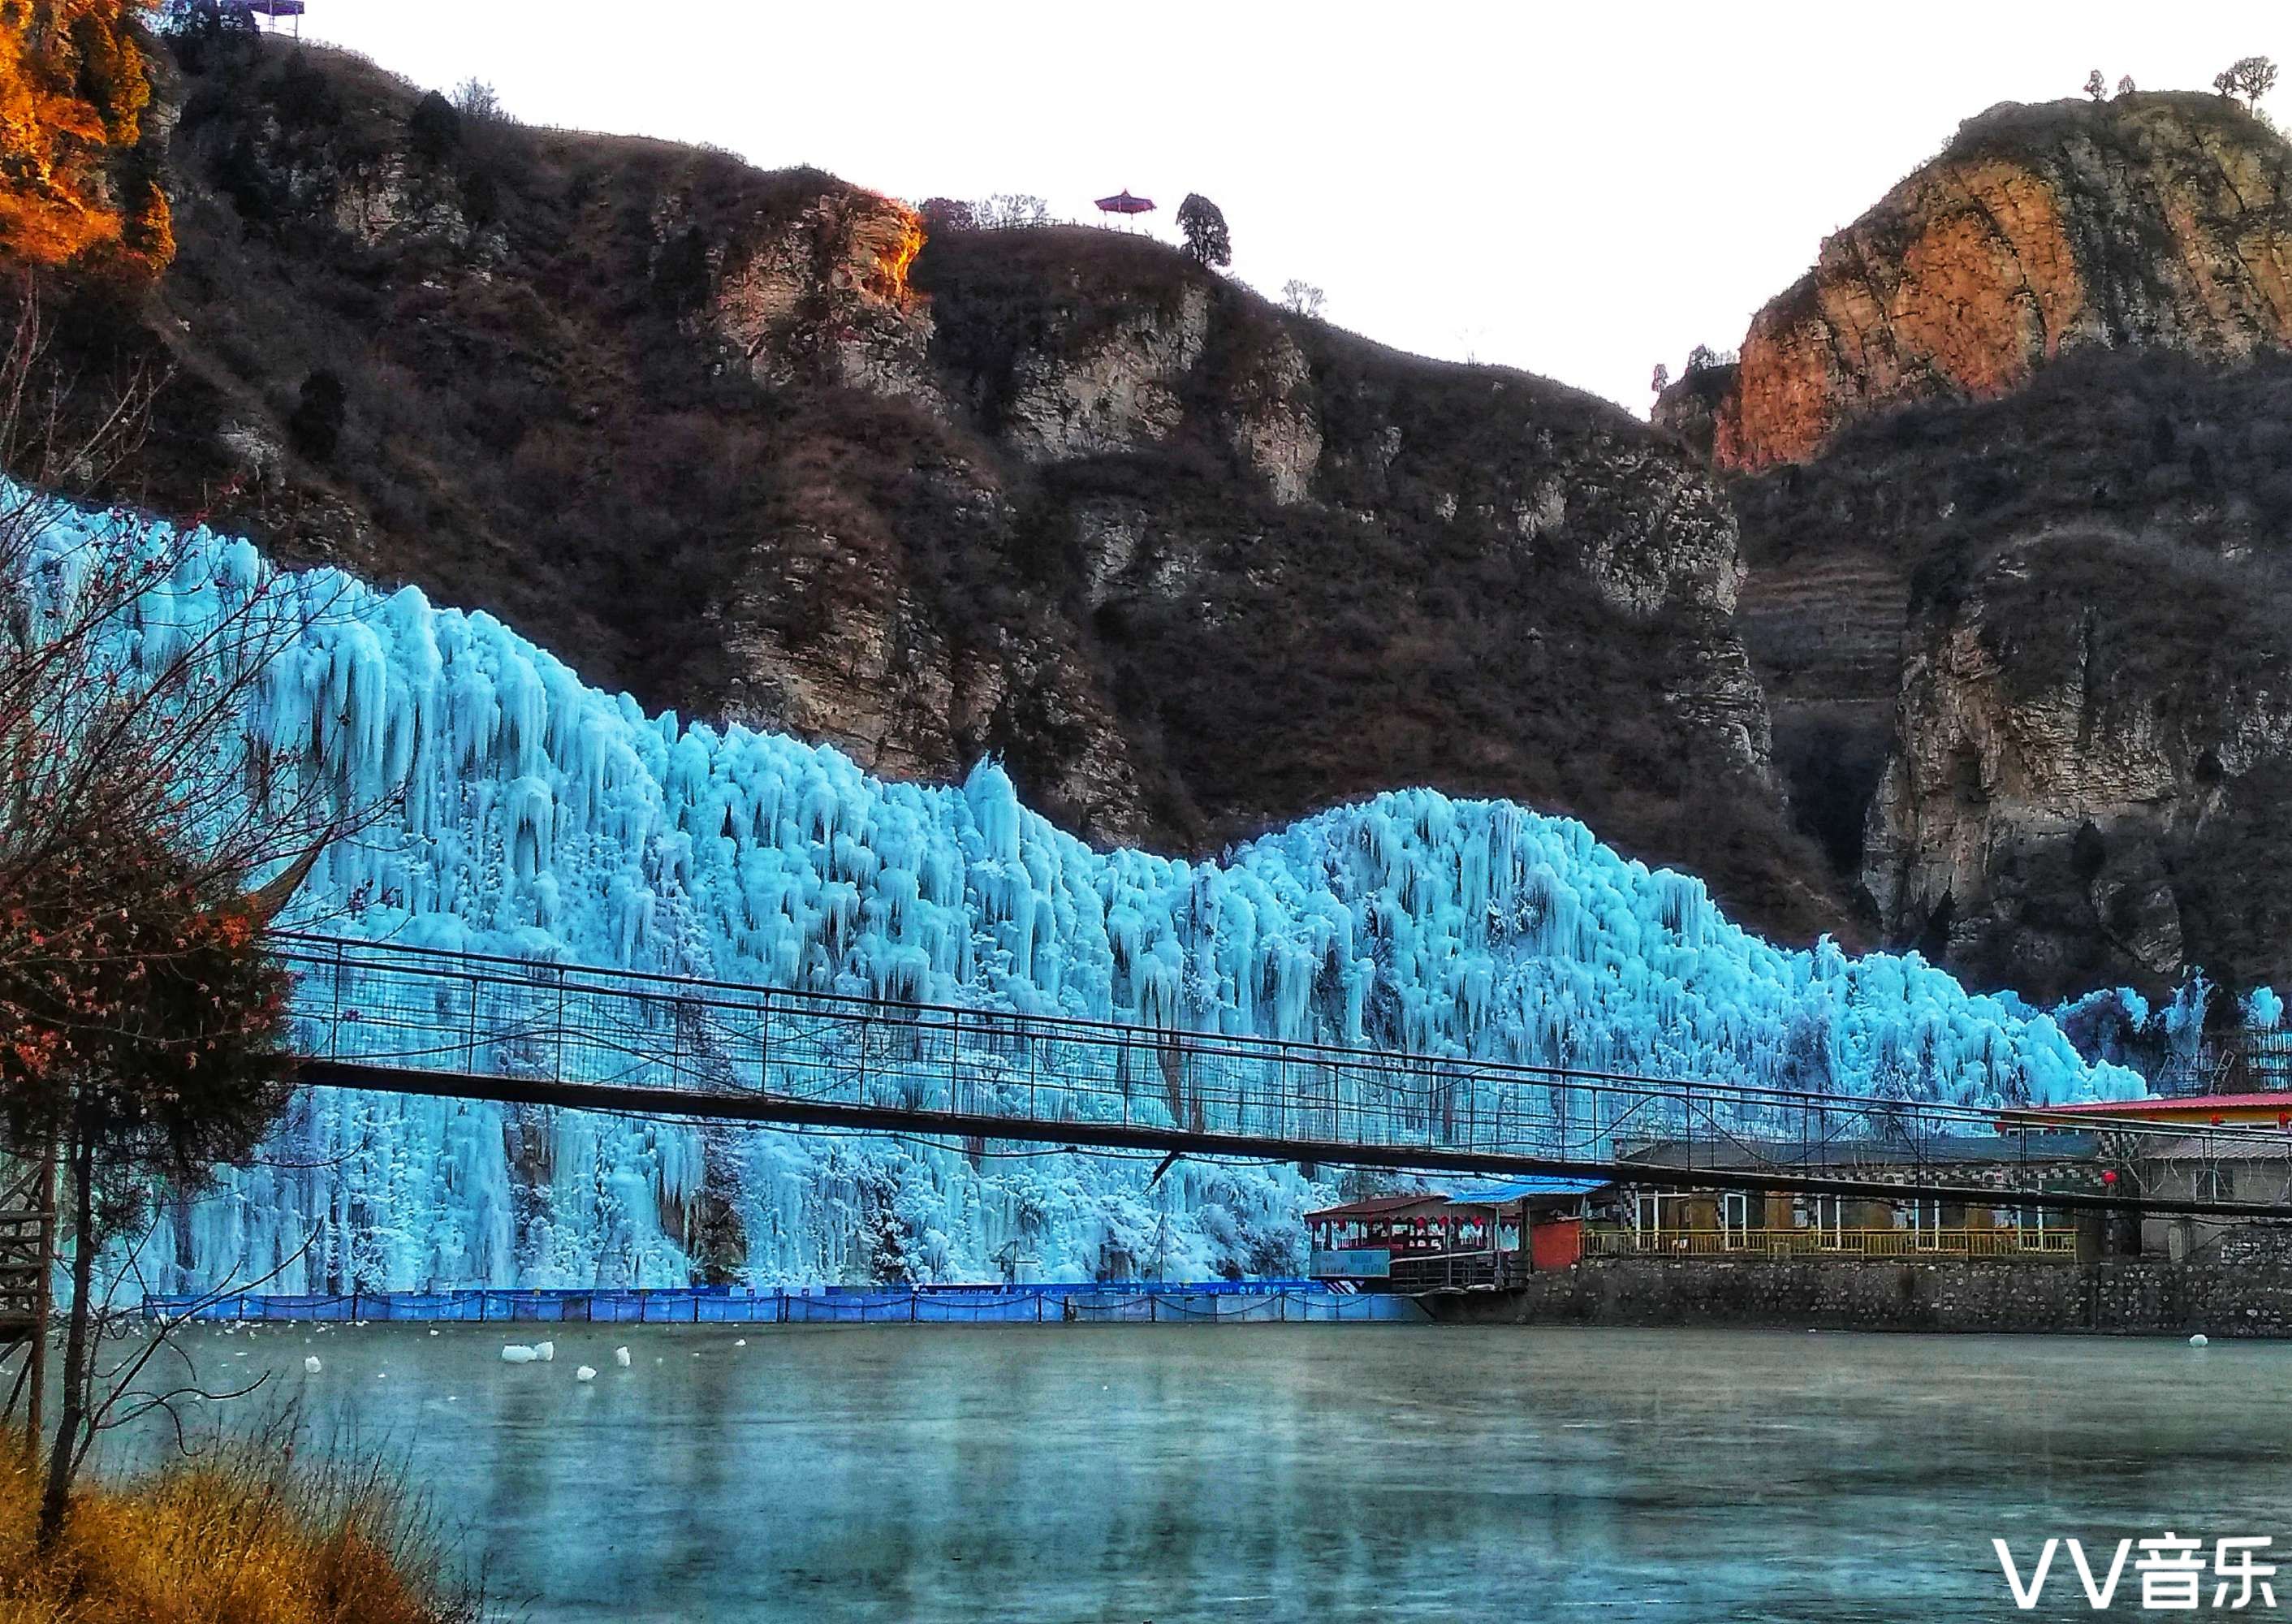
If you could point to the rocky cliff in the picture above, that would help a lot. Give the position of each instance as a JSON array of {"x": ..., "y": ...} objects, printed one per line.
[
  {"x": 2090, "y": 759},
  {"x": 2009, "y": 468},
  {"x": 747, "y": 443},
  {"x": 2092, "y": 776},
  {"x": 2161, "y": 220},
  {"x": 2027, "y": 665}
]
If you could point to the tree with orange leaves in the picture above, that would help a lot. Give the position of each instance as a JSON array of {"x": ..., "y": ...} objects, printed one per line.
[
  {"x": 141, "y": 1019},
  {"x": 159, "y": 1028},
  {"x": 75, "y": 187}
]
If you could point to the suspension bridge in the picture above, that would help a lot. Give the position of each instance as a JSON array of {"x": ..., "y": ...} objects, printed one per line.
[{"x": 410, "y": 1020}]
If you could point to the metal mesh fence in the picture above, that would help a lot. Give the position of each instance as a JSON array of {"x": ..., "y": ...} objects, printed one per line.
[
  {"x": 378, "y": 1006},
  {"x": 1123, "y": 1302}
]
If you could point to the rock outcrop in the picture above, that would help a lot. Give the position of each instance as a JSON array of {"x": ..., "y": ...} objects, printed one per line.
[
  {"x": 2007, "y": 465},
  {"x": 2161, "y": 220},
  {"x": 2090, "y": 775},
  {"x": 2018, "y": 656},
  {"x": 823, "y": 297}
]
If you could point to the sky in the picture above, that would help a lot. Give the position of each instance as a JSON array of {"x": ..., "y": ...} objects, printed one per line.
[{"x": 1578, "y": 189}]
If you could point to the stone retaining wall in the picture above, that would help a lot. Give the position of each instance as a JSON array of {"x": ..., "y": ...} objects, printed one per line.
[{"x": 2126, "y": 1297}]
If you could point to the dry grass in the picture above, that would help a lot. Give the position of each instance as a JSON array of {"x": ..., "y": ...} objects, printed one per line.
[{"x": 233, "y": 1539}]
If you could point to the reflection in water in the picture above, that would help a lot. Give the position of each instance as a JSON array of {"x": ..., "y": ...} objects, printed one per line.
[{"x": 1322, "y": 1473}]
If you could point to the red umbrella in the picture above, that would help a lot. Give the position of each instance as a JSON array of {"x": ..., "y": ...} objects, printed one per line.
[{"x": 1122, "y": 202}]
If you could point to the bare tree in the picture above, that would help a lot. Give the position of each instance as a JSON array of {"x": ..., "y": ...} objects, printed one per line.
[
  {"x": 948, "y": 214},
  {"x": 2250, "y": 77},
  {"x": 141, "y": 1030},
  {"x": 2093, "y": 85},
  {"x": 104, "y": 735},
  {"x": 1302, "y": 298},
  {"x": 478, "y": 103},
  {"x": 1661, "y": 378},
  {"x": 2124, "y": 85},
  {"x": 1008, "y": 210}
]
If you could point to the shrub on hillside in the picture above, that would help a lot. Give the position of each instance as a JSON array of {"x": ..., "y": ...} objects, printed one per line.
[
  {"x": 948, "y": 214},
  {"x": 433, "y": 129},
  {"x": 316, "y": 424}
]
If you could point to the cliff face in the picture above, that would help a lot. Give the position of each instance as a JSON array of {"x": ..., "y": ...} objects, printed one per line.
[
  {"x": 2150, "y": 220},
  {"x": 2009, "y": 470},
  {"x": 2073, "y": 799},
  {"x": 2025, "y": 658},
  {"x": 748, "y": 445}
]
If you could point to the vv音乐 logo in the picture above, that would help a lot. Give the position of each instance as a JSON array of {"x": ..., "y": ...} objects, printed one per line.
[{"x": 2172, "y": 1572}]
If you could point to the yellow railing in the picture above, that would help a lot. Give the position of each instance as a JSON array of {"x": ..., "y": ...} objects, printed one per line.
[{"x": 2058, "y": 1244}]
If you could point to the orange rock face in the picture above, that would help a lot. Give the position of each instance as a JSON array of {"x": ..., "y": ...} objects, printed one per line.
[
  {"x": 2153, "y": 219},
  {"x": 72, "y": 94}
]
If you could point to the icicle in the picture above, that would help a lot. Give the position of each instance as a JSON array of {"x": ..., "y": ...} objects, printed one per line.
[{"x": 544, "y": 819}]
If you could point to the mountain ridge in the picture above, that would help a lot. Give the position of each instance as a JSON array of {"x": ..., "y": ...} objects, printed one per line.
[
  {"x": 2160, "y": 219},
  {"x": 742, "y": 442},
  {"x": 2010, "y": 486}
]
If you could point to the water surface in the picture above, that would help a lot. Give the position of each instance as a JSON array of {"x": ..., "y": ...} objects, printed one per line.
[{"x": 1323, "y": 1472}]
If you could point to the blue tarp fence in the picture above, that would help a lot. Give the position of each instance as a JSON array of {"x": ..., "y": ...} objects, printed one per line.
[{"x": 1216, "y": 1302}]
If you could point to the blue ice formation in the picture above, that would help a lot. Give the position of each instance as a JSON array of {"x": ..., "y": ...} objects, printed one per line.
[{"x": 534, "y": 816}]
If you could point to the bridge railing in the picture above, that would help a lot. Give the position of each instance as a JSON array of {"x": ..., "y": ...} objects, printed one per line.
[
  {"x": 422, "y": 1011},
  {"x": 2009, "y": 1241}
]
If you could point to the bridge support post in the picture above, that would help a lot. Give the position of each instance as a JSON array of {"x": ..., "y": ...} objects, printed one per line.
[
  {"x": 27, "y": 1253},
  {"x": 43, "y": 1294}
]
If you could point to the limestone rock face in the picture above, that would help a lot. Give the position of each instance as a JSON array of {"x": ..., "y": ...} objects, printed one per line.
[
  {"x": 2159, "y": 220},
  {"x": 1679, "y": 547},
  {"x": 399, "y": 201},
  {"x": 824, "y": 294},
  {"x": 2090, "y": 758},
  {"x": 883, "y": 682},
  {"x": 1076, "y": 395},
  {"x": 1275, "y": 424}
]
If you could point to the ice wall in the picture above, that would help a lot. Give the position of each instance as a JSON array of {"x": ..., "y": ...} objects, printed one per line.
[{"x": 530, "y": 814}]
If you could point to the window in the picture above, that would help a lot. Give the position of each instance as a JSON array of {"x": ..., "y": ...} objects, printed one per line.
[
  {"x": 1825, "y": 1215},
  {"x": 1663, "y": 1211}
]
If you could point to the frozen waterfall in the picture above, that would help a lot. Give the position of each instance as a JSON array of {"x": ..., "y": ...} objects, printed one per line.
[{"x": 536, "y": 817}]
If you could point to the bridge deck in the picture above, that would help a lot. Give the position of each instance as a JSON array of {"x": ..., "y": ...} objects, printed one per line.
[{"x": 374, "y": 1016}]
